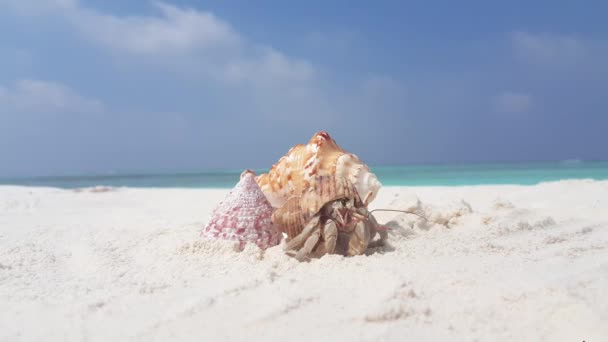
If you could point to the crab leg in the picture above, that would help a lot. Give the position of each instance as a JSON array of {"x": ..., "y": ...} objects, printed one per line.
[
  {"x": 377, "y": 228},
  {"x": 359, "y": 240},
  {"x": 301, "y": 238},
  {"x": 330, "y": 234},
  {"x": 309, "y": 245}
]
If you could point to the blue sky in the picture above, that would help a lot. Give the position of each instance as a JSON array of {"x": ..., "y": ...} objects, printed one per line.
[{"x": 161, "y": 86}]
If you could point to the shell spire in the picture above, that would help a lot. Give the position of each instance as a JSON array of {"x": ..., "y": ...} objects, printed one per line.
[
  {"x": 244, "y": 215},
  {"x": 298, "y": 169}
]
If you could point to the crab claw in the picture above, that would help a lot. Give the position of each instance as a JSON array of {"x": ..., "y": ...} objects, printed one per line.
[
  {"x": 359, "y": 216},
  {"x": 340, "y": 218}
]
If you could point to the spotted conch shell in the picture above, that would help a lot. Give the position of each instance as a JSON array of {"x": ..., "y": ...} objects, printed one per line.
[
  {"x": 295, "y": 171},
  {"x": 299, "y": 210},
  {"x": 244, "y": 216}
]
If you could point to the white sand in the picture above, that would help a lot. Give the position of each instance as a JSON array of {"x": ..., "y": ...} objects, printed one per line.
[{"x": 511, "y": 263}]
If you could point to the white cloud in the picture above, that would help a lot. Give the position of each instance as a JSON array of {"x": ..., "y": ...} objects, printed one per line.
[
  {"x": 512, "y": 102},
  {"x": 35, "y": 96},
  {"x": 548, "y": 49},
  {"x": 184, "y": 39},
  {"x": 171, "y": 36},
  {"x": 174, "y": 31},
  {"x": 197, "y": 45},
  {"x": 271, "y": 65}
]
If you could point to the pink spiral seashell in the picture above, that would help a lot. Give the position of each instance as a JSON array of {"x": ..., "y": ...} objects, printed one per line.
[{"x": 244, "y": 216}]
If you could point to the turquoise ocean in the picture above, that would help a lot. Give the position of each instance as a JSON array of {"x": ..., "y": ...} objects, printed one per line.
[{"x": 422, "y": 175}]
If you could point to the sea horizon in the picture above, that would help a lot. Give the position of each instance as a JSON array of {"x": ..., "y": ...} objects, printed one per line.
[{"x": 428, "y": 174}]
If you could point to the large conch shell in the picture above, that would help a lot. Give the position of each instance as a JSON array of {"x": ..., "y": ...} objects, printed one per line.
[
  {"x": 244, "y": 216},
  {"x": 299, "y": 210},
  {"x": 295, "y": 171}
]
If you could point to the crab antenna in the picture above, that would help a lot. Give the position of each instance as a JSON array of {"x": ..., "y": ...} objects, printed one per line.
[{"x": 400, "y": 211}]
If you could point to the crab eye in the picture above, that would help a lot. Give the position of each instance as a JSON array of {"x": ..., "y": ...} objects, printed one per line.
[{"x": 344, "y": 201}]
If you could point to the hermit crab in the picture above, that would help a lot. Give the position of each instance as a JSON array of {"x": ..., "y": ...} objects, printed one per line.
[
  {"x": 317, "y": 190},
  {"x": 328, "y": 218}
]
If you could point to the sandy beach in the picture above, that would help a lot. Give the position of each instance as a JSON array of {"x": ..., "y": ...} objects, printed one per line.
[{"x": 492, "y": 263}]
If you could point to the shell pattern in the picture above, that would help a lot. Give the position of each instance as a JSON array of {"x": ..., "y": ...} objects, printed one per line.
[
  {"x": 244, "y": 216},
  {"x": 297, "y": 211},
  {"x": 298, "y": 169}
]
